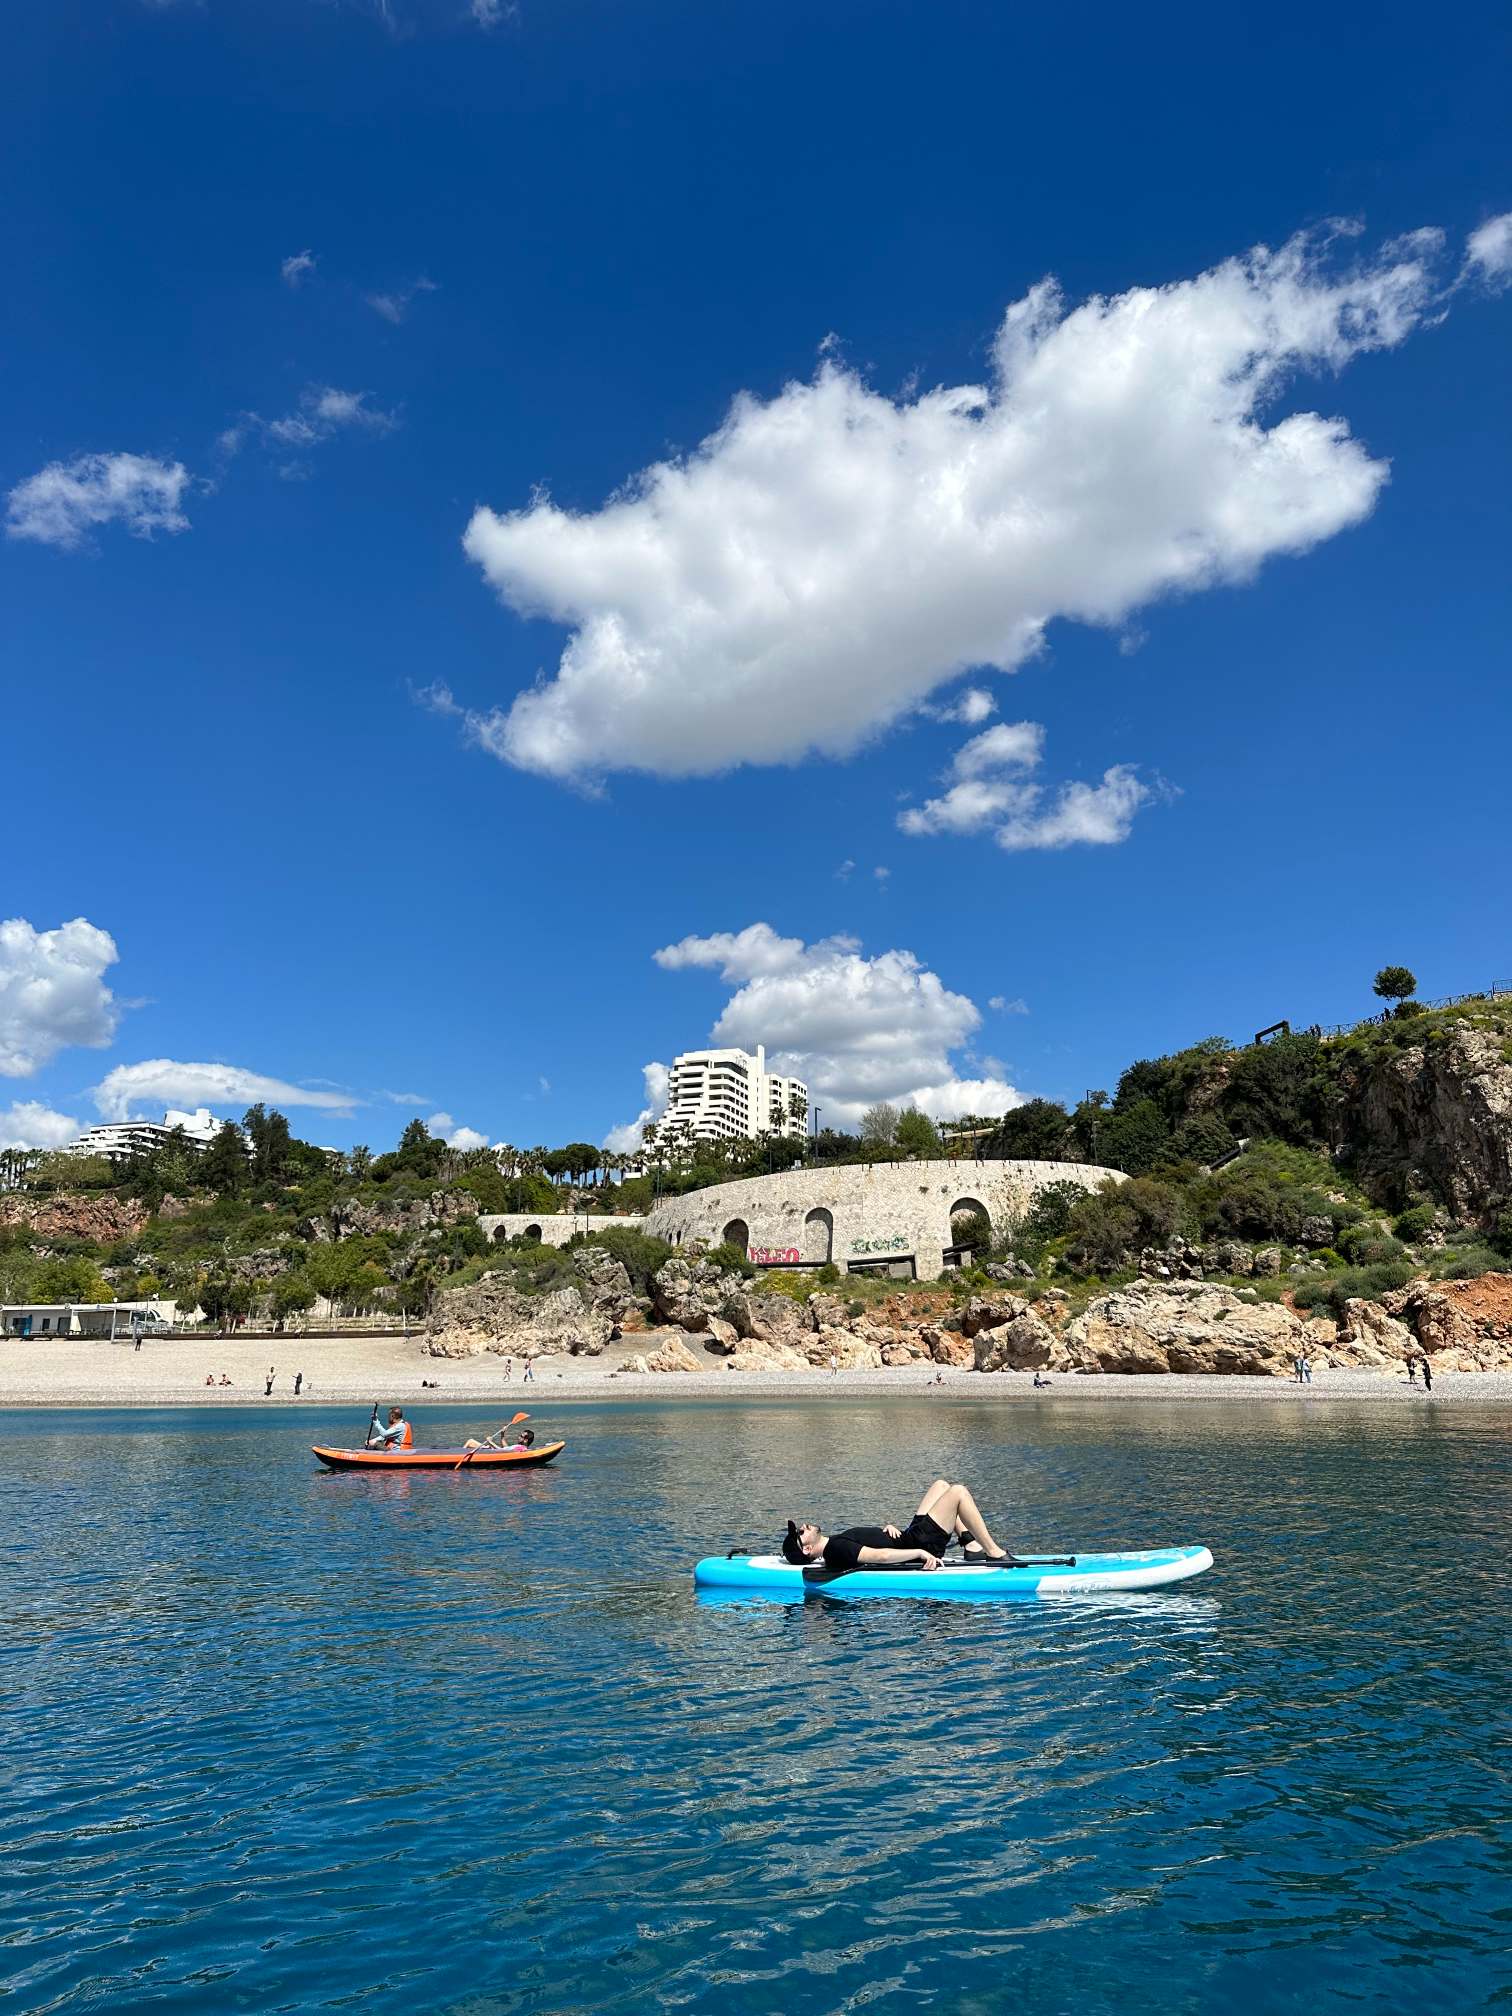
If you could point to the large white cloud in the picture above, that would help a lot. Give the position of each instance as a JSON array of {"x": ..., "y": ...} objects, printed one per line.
[
  {"x": 160, "y": 1081},
  {"x": 52, "y": 992},
  {"x": 625, "y": 1139},
  {"x": 63, "y": 503},
  {"x": 856, "y": 1030},
  {"x": 30, "y": 1124},
  {"x": 829, "y": 556}
]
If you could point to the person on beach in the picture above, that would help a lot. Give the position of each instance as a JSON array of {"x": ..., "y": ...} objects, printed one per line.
[
  {"x": 946, "y": 1512},
  {"x": 298, "y": 1382},
  {"x": 268, "y": 1388},
  {"x": 225, "y": 1378},
  {"x": 508, "y": 1370},
  {"x": 209, "y": 1378},
  {"x": 1411, "y": 1370},
  {"x": 1427, "y": 1373},
  {"x": 396, "y": 1434},
  {"x": 529, "y": 1379}
]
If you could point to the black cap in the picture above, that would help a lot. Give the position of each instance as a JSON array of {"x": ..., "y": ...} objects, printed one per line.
[{"x": 791, "y": 1550}]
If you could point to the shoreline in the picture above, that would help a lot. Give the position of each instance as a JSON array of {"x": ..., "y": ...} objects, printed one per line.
[{"x": 77, "y": 1373}]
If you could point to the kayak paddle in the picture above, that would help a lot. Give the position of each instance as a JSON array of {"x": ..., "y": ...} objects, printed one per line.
[{"x": 473, "y": 1452}]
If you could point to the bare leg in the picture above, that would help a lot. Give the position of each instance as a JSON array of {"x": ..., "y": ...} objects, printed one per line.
[{"x": 953, "y": 1507}]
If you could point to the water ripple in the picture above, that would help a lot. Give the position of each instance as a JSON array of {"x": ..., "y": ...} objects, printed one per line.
[{"x": 283, "y": 1741}]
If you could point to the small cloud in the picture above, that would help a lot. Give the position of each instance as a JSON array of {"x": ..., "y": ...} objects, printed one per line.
[
  {"x": 882, "y": 873},
  {"x": 467, "y": 1137},
  {"x": 1489, "y": 250},
  {"x": 492, "y": 13},
  {"x": 545, "y": 1085},
  {"x": 407, "y": 1098},
  {"x": 436, "y": 699},
  {"x": 394, "y": 307},
  {"x": 1001, "y": 1006},
  {"x": 968, "y": 708},
  {"x": 323, "y": 412},
  {"x": 30, "y": 1124},
  {"x": 64, "y": 502},
  {"x": 297, "y": 267},
  {"x": 1091, "y": 815},
  {"x": 844, "y": 872}
]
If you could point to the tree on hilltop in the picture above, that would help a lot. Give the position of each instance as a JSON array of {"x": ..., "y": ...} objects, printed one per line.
[{"x": 1396, "y": 983}]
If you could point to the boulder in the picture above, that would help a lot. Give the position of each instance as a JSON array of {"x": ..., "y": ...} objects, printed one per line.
[
  {"x": 777, "y": 1319},
  {"x": 686, "y": 1293},
  {"x": 496, "y": 1316},
  {"x": 1184, "y": 1326},
  {"x": 897, "y": 1354},
  {"x": 1366, "y": 1335},
  {"x": 947, "y": 1347},
  {"x": 1316, "y": 1231},
  {"x": 755, "y": 1356},
  {"x": 674, "y": 1356},
  {"x": 1018, "y": 1346},
  {"x": 1268, "y": 1261},
  {"x": 1228, "y": 1256},
  {"x": 604, "y": 1284},
  {"x": 989, "y": 1313},
  {"x": 718, "y": 1335}
]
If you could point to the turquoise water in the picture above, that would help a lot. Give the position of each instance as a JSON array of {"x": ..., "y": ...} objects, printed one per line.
[{"x": 278, "y": 1740}]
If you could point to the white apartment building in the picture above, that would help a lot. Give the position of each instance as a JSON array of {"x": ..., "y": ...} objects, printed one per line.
[
  {"x": 729, "y": 1094},
  {"x": 122, "y": 1139}
]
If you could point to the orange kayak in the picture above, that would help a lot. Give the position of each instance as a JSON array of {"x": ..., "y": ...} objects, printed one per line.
[{"x": 438, "y": 1459}]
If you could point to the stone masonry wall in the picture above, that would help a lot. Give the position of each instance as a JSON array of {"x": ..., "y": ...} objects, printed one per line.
[
  {"x": 555, "y": 1229},
  {"x": 871, "y": 1213}
]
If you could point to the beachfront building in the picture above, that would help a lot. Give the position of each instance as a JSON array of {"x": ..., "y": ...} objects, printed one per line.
[
  {"x": 729, "y": 1095},
  {"x": 123, "y": 1140},
  {"x": 88, "y": 1319}
]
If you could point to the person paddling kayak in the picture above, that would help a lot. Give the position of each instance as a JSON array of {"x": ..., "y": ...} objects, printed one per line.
[
  {"x": 946, "y": 1512},
  {"x": 501, "y": 1439},
  {"x": 396, "y": 1435}
]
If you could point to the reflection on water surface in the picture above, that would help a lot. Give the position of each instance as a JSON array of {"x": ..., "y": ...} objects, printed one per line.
[{"x": 280, "y": 1739}]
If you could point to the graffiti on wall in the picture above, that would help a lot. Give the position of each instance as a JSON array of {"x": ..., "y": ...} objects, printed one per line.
[
  {"x": 775, "y": 1256},
  {"x": 896, "y": 1244}
]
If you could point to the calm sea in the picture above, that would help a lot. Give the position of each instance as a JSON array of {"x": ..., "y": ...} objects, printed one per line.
[{"x": 278, "y": 1740}]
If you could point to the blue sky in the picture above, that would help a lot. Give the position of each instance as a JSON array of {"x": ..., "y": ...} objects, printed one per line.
[{"x": 384, "y": 711}]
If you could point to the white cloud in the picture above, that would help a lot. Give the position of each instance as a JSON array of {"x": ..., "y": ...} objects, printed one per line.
[
  {"x": 881, "y": 874},
  {"x": 544, "y": 1084},
  {"x": 1001, "y": 1005},
  {"x": 160, "y": 1081},
  {"x": 1013, "y": 805},
  {"x": 855, "y": 1029},
  {"x": 1012, "y": 745},
  {"x": 394, "y": 307},
  {"x": 844, "y": 872},
  {"x": 624, "y": 1140},
  {"x": 830, "y": 556},
  {"x": 1490, "y": 248},
  {"x": 974, "y": 705},
  {"x": 490, "y": 13},
  {"x": 409, "y": 1098},
  {"x": 1093, "y": 815},
  {"x": 53, "y": 993},
  {"x": 297, "y": 267},
  {"x": 445, "y": 1128},
  {"x": 30, "y": 1124},
  {"x": 64, "y": 502},
  {"x": 323, "y": 411}
]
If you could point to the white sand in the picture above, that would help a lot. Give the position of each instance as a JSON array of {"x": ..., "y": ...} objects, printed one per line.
[{"x": 356, "y": 1371}]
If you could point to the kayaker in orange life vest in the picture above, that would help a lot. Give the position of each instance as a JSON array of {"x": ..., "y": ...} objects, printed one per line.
[{"x": 396, "y": 1435}]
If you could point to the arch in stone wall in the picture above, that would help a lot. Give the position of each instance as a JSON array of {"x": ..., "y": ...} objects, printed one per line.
[
  {"x": 531, "y": 1232},
  {"x": 737, "y": 1233},
  {"x": 818, "y": 1235},
  {"x": 963, "y": 1216}
]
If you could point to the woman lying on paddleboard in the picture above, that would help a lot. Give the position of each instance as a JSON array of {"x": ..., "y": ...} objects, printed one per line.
[{"x": 946, "y": 1511}]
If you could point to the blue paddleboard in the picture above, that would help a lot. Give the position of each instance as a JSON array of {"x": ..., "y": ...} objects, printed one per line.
[{"x": 1071, "y": 1575}]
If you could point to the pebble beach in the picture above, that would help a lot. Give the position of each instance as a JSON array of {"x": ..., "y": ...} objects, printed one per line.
[{"x": 356, "y": 1371}]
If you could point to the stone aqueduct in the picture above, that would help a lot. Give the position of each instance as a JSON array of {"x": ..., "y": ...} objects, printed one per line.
[{"x": 876, "y": 1217}]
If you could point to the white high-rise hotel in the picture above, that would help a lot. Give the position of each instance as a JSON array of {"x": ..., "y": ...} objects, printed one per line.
[{"x": 726, "y": 1094}]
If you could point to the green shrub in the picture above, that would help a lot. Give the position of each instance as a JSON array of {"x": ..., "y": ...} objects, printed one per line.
[
  {"x": 732, "y": 1259},
  {"x": 796, "y": 1287},
  {"x": 854, "y": 1308},
  {"x": 1468, "y": 1262},
  {"x": 828, "y": 1274},
  {"x": 1414, "y": 1222},
  {"x": 637, "y": 1252}
]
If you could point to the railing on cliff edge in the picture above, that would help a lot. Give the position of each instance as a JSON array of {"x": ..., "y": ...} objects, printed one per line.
[{"x": 1498, "y": 988}]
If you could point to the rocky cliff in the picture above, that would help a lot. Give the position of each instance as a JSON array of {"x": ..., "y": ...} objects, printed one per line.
[
  {"x": 1433, "y": 1116},
  {"x": 100, "y": 1219}
]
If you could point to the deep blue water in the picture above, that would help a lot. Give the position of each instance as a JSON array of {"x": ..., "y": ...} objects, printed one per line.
[{"x": 281, "y": 1740}]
